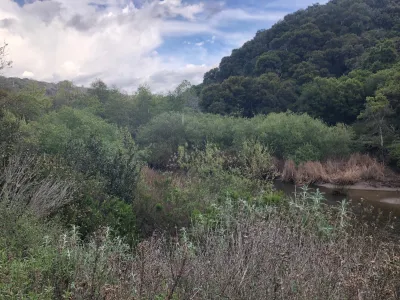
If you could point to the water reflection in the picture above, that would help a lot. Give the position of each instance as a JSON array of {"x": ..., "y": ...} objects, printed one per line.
[{"x": 387, "y": 201}]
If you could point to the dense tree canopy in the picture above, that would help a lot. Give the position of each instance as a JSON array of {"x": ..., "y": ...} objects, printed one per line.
[{"x": 306, "y": 62}]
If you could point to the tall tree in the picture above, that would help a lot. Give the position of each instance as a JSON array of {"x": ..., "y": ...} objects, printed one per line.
[{"x": 377, "y": 110}]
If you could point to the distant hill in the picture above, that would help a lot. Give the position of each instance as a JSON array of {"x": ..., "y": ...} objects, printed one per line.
[
  {"x": 277, "y": 69},
  {"x": 17, "y": 84}
]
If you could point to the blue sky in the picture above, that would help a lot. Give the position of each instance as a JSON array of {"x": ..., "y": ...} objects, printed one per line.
[{"x": 131, "y": 42}]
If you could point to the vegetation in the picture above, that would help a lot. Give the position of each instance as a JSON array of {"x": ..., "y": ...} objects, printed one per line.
[
  {"x": 356, "y": 168},
  {"x": 106, "y": 195},
  {"x": 300, "y": 250},
  {"x": 287, "y": 135},
  {"x": 335, "y": 62}
]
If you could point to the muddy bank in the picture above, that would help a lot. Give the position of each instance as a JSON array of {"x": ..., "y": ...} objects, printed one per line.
[
  {"x": 385, "y": 199},
  {"x": 366, "y": 186}
]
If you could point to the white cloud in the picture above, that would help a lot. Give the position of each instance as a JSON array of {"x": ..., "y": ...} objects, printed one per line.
[
  {"x": 293, "y": 5},
  {"x": 28, "y": 74},
  {"x": 241, "y": 15},
  {"x": 58, "y": 40},
  {"x": 170, "y": 77},
  {"x": 115, "y": 40}
]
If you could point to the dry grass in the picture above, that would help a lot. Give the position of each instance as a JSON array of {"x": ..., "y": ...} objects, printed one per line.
[
  {"x": 272, "y": 261},
  {"x": 302, "y": 250},
  {"x": 24, "y": 184},
  {"x": 357, "y": 168},
  {"x": 278, "y": 257}
]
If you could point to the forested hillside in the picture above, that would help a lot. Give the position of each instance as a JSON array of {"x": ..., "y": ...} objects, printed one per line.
[
  {"x": 17, "y": 84},
  {"x": 328, "y": 61},
  {"x": 344, "y": 42}
]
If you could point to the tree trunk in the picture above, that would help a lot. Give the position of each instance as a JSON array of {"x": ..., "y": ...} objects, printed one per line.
[{"x": 381, "y": 137}]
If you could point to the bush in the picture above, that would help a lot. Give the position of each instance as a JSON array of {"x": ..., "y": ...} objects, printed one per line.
[
  {"x": 26, "y": 184},
  {"x": 90, "y": 145},
  {"x": 302, "y": 137},
  {"x": 168, "y": 201},
  {"x": 10, "y": 133},
  {"x": 256, "y": 162},
  {"x": 42, "y": 261},
  {"x": 286, "y": 135},
  {"x": 394, "y": 152},
  {"x": 165, "y": 202}
]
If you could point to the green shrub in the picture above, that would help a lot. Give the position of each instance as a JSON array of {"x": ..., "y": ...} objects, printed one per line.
[
  {"x": 166, "y": 202},
  {"x": 394, "y": 151},
  {"x": 256, "y": 161},
  {"x": 39, "y": 260},
  {"x": 90, "y": 145},
  {"x": 10, "y": 133},
  {"x": 286, "y": 135},
  {"x": 273, "y": 197}
]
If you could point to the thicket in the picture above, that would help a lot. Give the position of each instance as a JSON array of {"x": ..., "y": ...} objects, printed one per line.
[
  {"x": 300, "y": 249},
  {"x": 287, "y": 135}
]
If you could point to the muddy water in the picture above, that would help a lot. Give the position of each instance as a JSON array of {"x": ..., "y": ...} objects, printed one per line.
[{"x": 386, "y": 201}]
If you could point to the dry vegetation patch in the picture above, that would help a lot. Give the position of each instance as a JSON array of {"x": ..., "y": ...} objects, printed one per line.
[{"x": 357, "y": 168}]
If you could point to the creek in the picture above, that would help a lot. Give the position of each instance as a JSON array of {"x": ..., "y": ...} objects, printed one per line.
[{"x": 385, "y": 200}]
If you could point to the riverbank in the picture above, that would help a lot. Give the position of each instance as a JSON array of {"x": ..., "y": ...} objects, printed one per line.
[
  {"x": 359, "y": 171},
  {"x": 365, "y": 186}
]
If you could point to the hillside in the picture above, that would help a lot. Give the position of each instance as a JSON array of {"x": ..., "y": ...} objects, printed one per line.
[
  {"x": 325, "y": 60},
  {"x": 17, "y": 84}
]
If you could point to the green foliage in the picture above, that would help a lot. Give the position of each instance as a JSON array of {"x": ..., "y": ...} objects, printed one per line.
[
  {"x": 69, "y": 95},
  {"x": 394, "y": 151},
  {"x": 377, "y": 109},
  {"x": 282, "y": 133},
  {"x": 273, "y": 198},
  {"x": 29, "y": 104},
  {"x": 381, "y": 56},
  {"x": 164, "y": 202},
  {"x": 27, "y": 264},
  {"x": 333, "y": 100},
  {"x": 105, "y": 164},
  {"x": 133, "y": 111},
  {"x": 184, "y": 96},
  {"x": 268, "y": 62},
  {"x": 39, "y": 260},
  {"x": 55, "y": 132},
  {"x": 225, "y": 175},
  {"x": 167, "y": 201},
  {"x": 256, "y": 162},
  {"x": 287, "y": 133},
  {"x": 247, "y": 97},
  {"x": 312, "y": 52},
  {"x": 10, "y": 133},
  {"x": 306, "y": 152},
  {"x": 90, "y": 144},
  {"x": 162, "y": 136},
  {"x": 95, "y": 210}
]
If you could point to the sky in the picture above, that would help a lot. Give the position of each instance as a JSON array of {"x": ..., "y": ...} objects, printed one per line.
[{"x": 128, "y": 43}]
